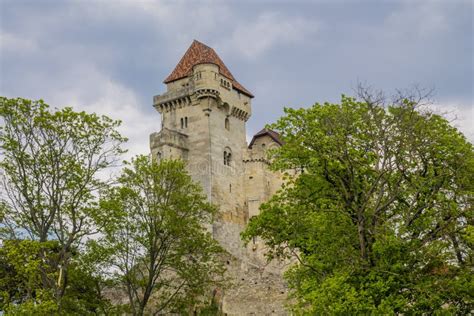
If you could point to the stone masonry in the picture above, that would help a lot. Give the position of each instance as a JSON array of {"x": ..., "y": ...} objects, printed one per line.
[{"x": 203, "y": 117}]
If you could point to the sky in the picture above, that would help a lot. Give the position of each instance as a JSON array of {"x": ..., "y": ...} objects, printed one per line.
[{"x": 111, "y": 57}]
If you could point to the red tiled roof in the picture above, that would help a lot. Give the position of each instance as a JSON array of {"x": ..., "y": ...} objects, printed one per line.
[
  {"x": 273, "y": 135},
  {"x": 198, "y": 53}
]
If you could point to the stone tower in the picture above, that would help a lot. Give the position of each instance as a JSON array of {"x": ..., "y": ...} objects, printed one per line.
[{"x": 203, "y": 117}]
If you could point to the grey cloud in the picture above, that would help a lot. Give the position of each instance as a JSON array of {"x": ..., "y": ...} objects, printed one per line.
[{"x": 288, "y": 54}]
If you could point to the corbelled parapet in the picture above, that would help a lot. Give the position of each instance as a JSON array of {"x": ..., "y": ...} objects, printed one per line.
[{"x": 173, "y": 99}]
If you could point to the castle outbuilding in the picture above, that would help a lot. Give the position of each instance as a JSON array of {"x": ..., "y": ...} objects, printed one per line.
[{"x": 203, "y": 121}]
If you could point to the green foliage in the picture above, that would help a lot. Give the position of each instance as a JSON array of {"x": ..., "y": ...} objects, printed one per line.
[
  {"x": 45, "y": 306},
  {"x": 51, "y": 160},
  {"x": 53, "y": 164},
  {"x": 21, "y": 283},
  {"x": 377, "y": 209},
  {"x": 211, "y": 309},
  {"x": 164, "y": 257}
]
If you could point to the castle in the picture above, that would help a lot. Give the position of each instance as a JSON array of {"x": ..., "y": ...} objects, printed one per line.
[{"x": 203, "y": 117}]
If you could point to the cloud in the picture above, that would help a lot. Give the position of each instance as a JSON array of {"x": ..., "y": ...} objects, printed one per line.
[
  {"x": 419, "y": 19},
  {"x": 111, "y": 56},
  {"x": 459, "y": 115},
  {"x": 43, "y": 58},
  {"x": 10, "y": 43},
  {"x": 95, "y": 92},
  {"x": 268, "y": 30},
  {"x": 172, "y": 23}
]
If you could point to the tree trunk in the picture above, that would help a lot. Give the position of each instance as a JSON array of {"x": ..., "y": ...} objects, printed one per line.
[{"x": 362, "y": 236}]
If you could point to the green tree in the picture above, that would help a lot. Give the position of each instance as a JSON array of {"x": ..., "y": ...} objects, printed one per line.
[
  {"x": 21, "y": 289},
  {"x": 20, "y": 283},
  {"x": 377, "y": 208},
  {"x": 53, "y": 164},
  {"x": 162, "y": 254}
]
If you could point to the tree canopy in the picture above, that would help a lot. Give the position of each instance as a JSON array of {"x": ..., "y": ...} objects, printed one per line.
[
  {"x": 379, "y": 215},
  {"x": 52, "y": 170}
]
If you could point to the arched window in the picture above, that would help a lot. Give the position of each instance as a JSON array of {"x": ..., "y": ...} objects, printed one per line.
[
  {"x": 227, "y": 157},
  {"x": 227, "y": 123}
]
